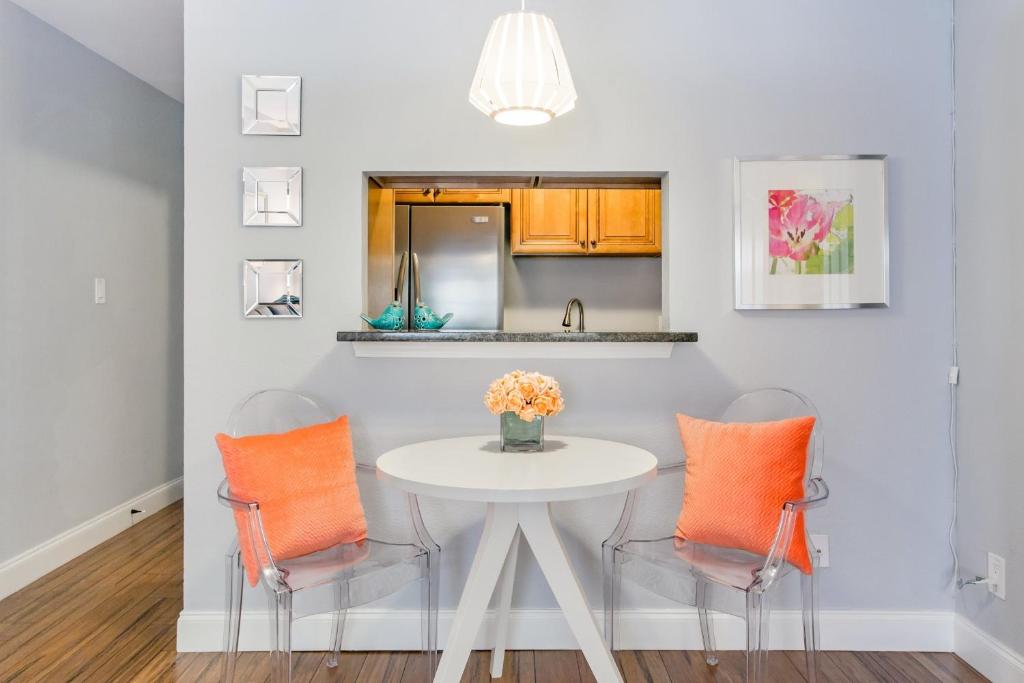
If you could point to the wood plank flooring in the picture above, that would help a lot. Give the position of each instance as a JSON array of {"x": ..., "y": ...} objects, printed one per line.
[{"x": 110, "y": 614}]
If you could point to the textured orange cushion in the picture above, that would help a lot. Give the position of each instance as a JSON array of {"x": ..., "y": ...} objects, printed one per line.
[
  {"x": 738, "y": 475},
  {"x": 305, "y": 483}
]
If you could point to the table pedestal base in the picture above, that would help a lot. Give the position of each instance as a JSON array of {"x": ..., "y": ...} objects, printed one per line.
[{"x": 498, "y": 547}]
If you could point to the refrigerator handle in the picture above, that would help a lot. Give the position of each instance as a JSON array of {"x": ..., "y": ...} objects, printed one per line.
[{"x": 416, "y": 279}]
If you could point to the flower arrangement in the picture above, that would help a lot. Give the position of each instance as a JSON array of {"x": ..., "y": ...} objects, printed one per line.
[{"x": 527, "y": 394}]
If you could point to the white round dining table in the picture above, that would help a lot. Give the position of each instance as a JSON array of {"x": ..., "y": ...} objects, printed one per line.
[{"x": 518, "y": 489}]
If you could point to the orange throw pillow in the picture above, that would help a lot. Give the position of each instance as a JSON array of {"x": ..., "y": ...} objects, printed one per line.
[
  {"x": 738, "y": 475},
  {"x": 305, "y": 483}
]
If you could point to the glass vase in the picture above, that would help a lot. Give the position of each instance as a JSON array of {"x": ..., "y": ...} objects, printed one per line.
[{"x": 519, "y": 436}]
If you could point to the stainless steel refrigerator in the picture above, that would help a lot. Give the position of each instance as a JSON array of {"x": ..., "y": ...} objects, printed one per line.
[{"x": 460, "y": 256}]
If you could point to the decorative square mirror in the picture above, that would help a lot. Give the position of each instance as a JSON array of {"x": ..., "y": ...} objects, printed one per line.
[
  {"x": 271, "y": 105},
  {"x": 272, "y": 288},
  {"x": 272, "y": 195}
]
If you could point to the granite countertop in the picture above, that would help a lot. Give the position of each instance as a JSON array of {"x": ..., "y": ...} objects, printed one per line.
[{"x": 499, "y": 336}]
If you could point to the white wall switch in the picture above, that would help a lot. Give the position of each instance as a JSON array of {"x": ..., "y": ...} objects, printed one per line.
[
  {"x": 954, "y": 375},
  {"x": 820, "y": 542},
  {"x": 100, "y": 290},
  {"x": 997, "y": 576}
]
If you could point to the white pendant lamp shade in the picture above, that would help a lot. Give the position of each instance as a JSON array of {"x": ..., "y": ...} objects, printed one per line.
[{"x": 523, "y": 78}]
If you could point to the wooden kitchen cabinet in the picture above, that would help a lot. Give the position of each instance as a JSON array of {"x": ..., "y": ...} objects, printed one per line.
[
  {"x": 624, "y": 222},
  {"x": 414, "y": 196},
  {"x": 446, "y": 195},
  {"x": 549, "y": 222},
  {"x": 586, "y": 222}
]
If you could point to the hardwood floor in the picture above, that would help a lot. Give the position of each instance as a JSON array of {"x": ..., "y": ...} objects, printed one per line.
[{"x": 110, "y": 614}]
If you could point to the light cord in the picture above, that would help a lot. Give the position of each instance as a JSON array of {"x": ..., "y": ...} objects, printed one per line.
[{"x": 951, "y": 536}]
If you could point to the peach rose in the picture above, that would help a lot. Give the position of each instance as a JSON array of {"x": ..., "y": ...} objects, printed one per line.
[
  {"x": 515, "y": 401},
  {"x": 528, "y": 389},
  {"x": 543, "y": 405},
  {"x": 527, "y": 414},
  {"x": 559, "y": 404},
  {"x": 495, "y": 402}
]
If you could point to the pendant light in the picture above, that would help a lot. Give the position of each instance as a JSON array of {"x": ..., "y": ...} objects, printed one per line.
[{"x": 522, "y": 78}]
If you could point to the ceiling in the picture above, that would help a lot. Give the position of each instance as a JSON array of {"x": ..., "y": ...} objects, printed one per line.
[{"x": 143, "y": 37}]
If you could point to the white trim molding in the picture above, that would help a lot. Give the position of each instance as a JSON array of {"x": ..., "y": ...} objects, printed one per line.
[
  {"x": 473, "y": 349},
  {"x": 34, "y": 563},
  {"x": 546, "y": 629},
  {"x": 992, "y": 658}
]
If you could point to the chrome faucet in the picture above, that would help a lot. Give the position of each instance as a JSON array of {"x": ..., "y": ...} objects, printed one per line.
[{"x": 567, "y": 320}]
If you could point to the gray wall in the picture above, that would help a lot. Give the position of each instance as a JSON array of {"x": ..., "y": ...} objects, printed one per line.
[
  {"x": 665, "y": 85},
  {"x": 91, "y": 171},
  {"x": 990, "y": 108}
]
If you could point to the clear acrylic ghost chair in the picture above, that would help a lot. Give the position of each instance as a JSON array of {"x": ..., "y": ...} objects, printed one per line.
[
  {"x": 358, "y": 573},
  {"x": 725, "y": 579}
]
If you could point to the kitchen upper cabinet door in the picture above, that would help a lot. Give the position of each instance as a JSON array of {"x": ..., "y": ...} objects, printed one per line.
[
  {"x": 414, "y": 196},
  {"x": 624, "y": 222},
  {"x": 446, "y": 195},
  {"x": 549, "y": 222}
]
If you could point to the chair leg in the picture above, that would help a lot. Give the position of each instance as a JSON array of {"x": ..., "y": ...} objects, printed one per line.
[
  {"x": 434, "y": 607},
  {"x": 612, "y": 578},
  {"x": 283, "y": 645},
  {"x": 607, "y": 554},
  {"x": 235, "y": 584},
  {"x": 429, "y": 609},
  {"x": 758, "y": 621},
  {"x": 707, "y": 629},
  {"x": 338, "y": 632},
  {"x": 809, "y": 590}
]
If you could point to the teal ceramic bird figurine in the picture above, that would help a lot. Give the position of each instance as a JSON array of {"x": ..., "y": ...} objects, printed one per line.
[
  {"x": 391, "y": 318},
  {"x": 424, "y": 318}
]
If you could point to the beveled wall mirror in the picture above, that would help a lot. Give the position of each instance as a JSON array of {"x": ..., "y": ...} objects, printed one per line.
[
  {"x": 272, "y": 288},
  {"x": 272, "y": 195}
]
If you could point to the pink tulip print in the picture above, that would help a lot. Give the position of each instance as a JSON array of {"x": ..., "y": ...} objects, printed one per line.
[{"x": 810, "y": 232}]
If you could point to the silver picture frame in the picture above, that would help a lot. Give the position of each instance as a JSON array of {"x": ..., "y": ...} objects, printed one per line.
[
  {"x": 271, "y": 105},
  {"x": 272, "y": 196},
  {"x": 881, "y": 300},
  {"x": 272, "y": 288}
]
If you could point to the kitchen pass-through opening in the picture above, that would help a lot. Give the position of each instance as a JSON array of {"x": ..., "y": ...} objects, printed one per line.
[{"x": 510, "y": 252}]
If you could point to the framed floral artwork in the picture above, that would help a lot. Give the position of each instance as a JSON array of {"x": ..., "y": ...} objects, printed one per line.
[{"x": 811, "y": 232}]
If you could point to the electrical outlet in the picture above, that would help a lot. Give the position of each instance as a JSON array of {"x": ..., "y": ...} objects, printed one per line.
[
  {"x": 997, "y": 576},
  {"x": 820, "y": 542}
]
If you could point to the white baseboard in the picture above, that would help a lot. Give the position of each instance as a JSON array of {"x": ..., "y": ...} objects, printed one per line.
[
  {"x": 668, "y": 629},
  {"x": 23, "y": 569},
  {"x": 992, "y": 658}
]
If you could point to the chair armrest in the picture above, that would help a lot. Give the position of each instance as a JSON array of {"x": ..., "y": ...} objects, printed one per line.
[
  {"x": 423, "y": 537},
  {"x": 817, "y": 494},
  {"x": 672, "y": 469},
  {"x": 227, "y": 498},
  {"x": 621, "y": 530},
  {"x": 254, "y": 530},
  {"x": 426, "y": 541}
]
